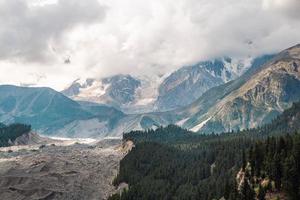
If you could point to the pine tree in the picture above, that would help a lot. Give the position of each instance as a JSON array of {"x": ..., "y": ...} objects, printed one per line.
[
  {"x": 244, "y": 161},
  {"x": 277, "y": 171}
]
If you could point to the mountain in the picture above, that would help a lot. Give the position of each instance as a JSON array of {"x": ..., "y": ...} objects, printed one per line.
[
  {"x": 270, "y": 86},
  {"x": 255, "y": 98},
  {"x": 188, "y": 83},
  {"x": 118, "y": 91},
  {"x": 176, "y": 90},
  {"x": 124, "y": 92},
  {"x": 50, "y": 112}
]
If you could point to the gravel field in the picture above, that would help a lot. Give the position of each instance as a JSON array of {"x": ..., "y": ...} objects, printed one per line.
[{"x": 74, "y": 171}]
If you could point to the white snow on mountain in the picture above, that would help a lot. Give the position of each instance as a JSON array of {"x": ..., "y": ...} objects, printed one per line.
[{"x": 200, "y": 125}]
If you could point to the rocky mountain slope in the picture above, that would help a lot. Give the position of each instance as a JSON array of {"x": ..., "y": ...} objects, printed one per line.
[
  {"x": 252, "y": 100},
  {"x": 188, "y": 83},
  {"x": 117, "y": 90}
]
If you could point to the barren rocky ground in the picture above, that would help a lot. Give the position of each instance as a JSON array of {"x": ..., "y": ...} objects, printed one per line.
[{"x": 76, "y": 171}]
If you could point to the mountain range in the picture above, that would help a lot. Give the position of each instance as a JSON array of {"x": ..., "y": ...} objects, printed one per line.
[{"x": 212, "y": 96}]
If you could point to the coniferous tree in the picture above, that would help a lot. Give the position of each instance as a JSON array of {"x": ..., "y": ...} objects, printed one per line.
[
  {"x": 291, "y": 178},
  {"x": 244, "y": 161},
  {"x": 277, "y": 171}
]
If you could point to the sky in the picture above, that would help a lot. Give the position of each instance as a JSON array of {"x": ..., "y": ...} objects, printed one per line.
[{"x": 53, "y": 42}]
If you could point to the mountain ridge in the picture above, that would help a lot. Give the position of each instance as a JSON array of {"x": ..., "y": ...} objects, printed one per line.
[
  {"x": 281, "y": 74},
  {"x": 157, "y": 93}
]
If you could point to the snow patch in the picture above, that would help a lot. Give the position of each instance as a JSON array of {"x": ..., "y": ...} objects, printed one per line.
[
  {"x": 148, "y": 92},
  {"x": 199, "y": 126},
  {"x": 97, "y": 89},
  {"x": 181, "y": 122}
]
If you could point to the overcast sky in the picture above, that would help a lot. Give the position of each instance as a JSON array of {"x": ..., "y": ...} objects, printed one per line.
[{"x": 53, "y": 42}]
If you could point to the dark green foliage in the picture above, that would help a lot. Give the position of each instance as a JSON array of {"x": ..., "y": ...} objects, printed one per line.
[
  {"x": 279, "y": 160},
  {"x": 11, "y": 132},
  {"x": 244, "y": 161},
  {"x": 173, "y": 163}
]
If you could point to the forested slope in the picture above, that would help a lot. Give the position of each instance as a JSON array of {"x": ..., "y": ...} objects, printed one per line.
[{"x": 173, "y": 163}]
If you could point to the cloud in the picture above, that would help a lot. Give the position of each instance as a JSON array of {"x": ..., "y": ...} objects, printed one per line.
[
  {"x": 290, "y": 8},
  {"x": 107, "y": 37},
  {"x": 162, "y": 35},
  {"x": 30, "y": 30}
]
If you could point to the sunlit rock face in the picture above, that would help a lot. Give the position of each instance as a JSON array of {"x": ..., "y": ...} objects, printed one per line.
[{"x": 188, "y": 83}]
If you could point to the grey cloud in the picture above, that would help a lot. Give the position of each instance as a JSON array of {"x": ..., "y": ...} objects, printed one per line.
[
  {"x": 289, "y": 8},
  {"x": 27, "y": 32},
  {"x": 169, "y": 35}
]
